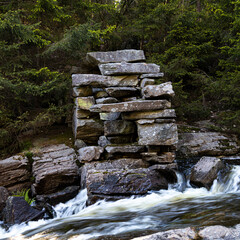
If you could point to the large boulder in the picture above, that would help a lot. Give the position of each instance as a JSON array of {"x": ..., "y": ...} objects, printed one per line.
[
  {"x": 17, "y": 210},
  {"x": 205, "y": 171},
  {"x": 175, "y": 234},
  {"x": 14, "y": 173},
  {"x": 206, "y": 143},
  {"x": 123, "y": 68},
  {"x": 54, "y": 168}
]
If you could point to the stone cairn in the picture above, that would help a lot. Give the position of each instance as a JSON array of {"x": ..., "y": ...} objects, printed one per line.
[{"x": 124, "y": 126}]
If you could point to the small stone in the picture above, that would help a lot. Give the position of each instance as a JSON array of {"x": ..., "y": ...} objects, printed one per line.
[
  {"x": 103, "y": 141},
  {"x": 122, "y": 68},
  {"x": 153, "y": 91},
  {"x": 101, "y": 94},
  {"x": 82, "y": 91},
  {"x": 152, "y": 75},
  {"x": 120, "y": 92},
  {"x": 79, "y": 143},
  {"x": 109, "y": 116},
  {"x": 145, "y": 121},
  {"x": 118, "y": 127},
  {"x": 84, "y": 102},
  {"x": 147, "y": 81},
  {"x": 125, "y": 149},
  {"x": 106, "y": 100},
  {"x": 89, "y": 153}
]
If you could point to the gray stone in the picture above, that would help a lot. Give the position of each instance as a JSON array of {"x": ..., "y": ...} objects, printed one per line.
[
  {"x": 125, "y": 149},
  {"x": 157, "y": 134},
  {"x": 152, "y": 75},
  {"x": 109, "y": 116},
  {"x": 165, "y": 120},
  {"x": 161, "y": 90},
  {"x": 82, "y": 91},
  {"x": 106, "y": 100},
  {"x": 235, "y": 160},
  {"x": 139, "y": 105},
  {"x": 128, "y": 55},
  {"x": 3, "y": 198},
  {"x": 166, "y": 113},
  {"x": 206, "y": 143},
  {"x": 103, "y": 141},
  {"x": 146, "y": 81},
  {"x": 205, "y": 171},
  {"x": 145, "y": 121},
  {"x": 166, "y": 157},
  {"x": 122, "y": 68},
  {"x": 79, "y": 143},
  {"x": 120, "y": 92},
  {"x": 123, "y": 139},
  {"x": 219, "y": 233},
  {"x": 118, "y": 127},
  {"x": 128, "y": 99},
  {"x": 82, "y": 114},
  {"x": 175, "y": 234},
  {"x": 87, "y": 154},
  {"x": 14, "y": 174},
  {"x": 84, "y": 102},
  {"x": 95, "y": 80},
  {"x": 54, "y": 168}
]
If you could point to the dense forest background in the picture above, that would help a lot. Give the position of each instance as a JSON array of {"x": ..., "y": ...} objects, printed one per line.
[{"x": 196, "y": 43}]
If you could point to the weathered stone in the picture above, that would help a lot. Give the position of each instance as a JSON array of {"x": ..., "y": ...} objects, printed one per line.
[
  {"x": 176, "y": 234},
  {"x": 219, "y": 233},
  {"x": 120, "y": 92},
  {"x": 161, "y": 90},
  {"x": 103, "y": 81},
  {"x": 109, "y": 116},
  {"x": 59, "y": 197},
  {"x": 146, "y": 81},
  {"x": 166, "y": 113},
  {"x": 79, "y": 143},
  {"x": 123, "y": 139},
  {"x": 84, "y": 102},
  {"x": 128, "y": 55},
  {"x": 17, "y": 210},
  {"x": 232, "y": 160},
  {"x": 103, "y": 141},
  {"x": 14, "y": 174},
  {"x": 106, "y": 100},
  {"x": 124, "y": 182},
  {"x": 122, "y": 68},
  {"x": 125, "y": 149},
  {"x": 118, "y": 127},
  {"x": 206, "y": 143},
  {"x": 87, "y": 128},
  {"x": 128, "y": 99},
  {"x": 3, "y": 198},
  {"x": 152, "y": 75},
  {"x": 83, "y": 114},
  {"x": 139, "y": 105},
  {"x": 89, "y": 153},
  {"x": 145, "y": 121},
  {"x": 54, "y": 168},
  {"x": 166, "y": 157},
  {"x": 205, "y": 171},
  {"x": 82, "y": 91},
  {"x": 101, "y": 94},
  {"x": 157, "y": 134},
  {"x": 165, "y": 120}
]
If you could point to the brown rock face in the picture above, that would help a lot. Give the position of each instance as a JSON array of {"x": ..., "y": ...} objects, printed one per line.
[
  {"x": 82, "y": 91},
  {"x": 205, "y": 171},
  {"x": 14, "y": 174},
  {"x": 118, "y": 127},
  {"x": 120, "y": 92},
  {"x": 54, "y": 169}
]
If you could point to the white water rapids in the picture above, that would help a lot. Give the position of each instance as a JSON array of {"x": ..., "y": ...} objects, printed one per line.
[{"x": 179, "y": 206}]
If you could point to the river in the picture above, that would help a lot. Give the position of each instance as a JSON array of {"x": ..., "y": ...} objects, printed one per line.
[{"x": 178, "y": 207}]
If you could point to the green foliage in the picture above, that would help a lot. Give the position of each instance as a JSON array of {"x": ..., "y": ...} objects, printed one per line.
[{"x": 24, "y": 193}]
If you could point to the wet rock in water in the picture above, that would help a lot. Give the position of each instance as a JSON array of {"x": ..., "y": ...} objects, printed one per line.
[
  {"x": 82, "y": 91},
  {"x": 205, "y": 171},
  {"x": 58, "y": 197},
  {"x": 161, "y": 90},
  {"x": 206, "y": 143},
  {"x": 54, "y": 169},
  {"x": 87, "y": 154},
  {"x": 95, "y": 80},
  {"x": 118, "y": 127},
  {"x": 17, "y": 210},
  {"x": 120, "y": 92},
  {"x": 123, "y": 68},
  {"x": 127, "y": 55},
  {"x": 157, "y": 134},
  {"x": 137, "y": 105},
  {"x": 3, "y": 198},
  {"x": 14, "y": 173},
  {"x": 219, "y": 233},
  {"x": 176, "y": 234}
]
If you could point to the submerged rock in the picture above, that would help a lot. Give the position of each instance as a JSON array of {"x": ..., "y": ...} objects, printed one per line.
[{"x": 205, "y": 171}]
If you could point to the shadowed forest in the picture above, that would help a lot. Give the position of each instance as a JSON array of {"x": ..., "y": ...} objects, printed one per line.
[{"x": 42, "y": 42}]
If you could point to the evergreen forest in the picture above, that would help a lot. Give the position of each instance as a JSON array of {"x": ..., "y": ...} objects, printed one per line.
[{"x": 42, "y": 42}]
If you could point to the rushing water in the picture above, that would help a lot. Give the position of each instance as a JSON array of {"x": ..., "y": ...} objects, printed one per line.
[{"x": 179, "y": 206}]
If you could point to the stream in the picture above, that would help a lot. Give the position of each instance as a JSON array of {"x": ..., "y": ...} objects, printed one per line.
[{"x": 178, "y": 207}]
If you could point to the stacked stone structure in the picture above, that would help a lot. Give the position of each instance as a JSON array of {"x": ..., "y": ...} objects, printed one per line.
[{"x": 123, "y": 121}]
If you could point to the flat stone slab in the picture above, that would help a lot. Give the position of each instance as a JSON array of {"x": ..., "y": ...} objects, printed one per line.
[
  {"x": 166, "y": 113},
  {"x": 128, "y": 55},
  {"x": 161, "y": 90},
  {"x": 106, "y": 100},
  {"x": 84, "y": 102},
  {"x": 166, "y": 157},
  {"x": 95, "y": 80},
  {"x": 125, "y": 149},
  {"x": 147, "y": 81},
  {"x": 109, "y": 116},
  {"x": 152, "y": 75},
  {"x": 118, "y": 127},
  {"x": 119, "y": 92},
  {"x": 157, "y": 134},
  {"x": 82, "y": 91},
  {"x": 137, "y": 105},
  {"x": 110, "y": 69}
]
